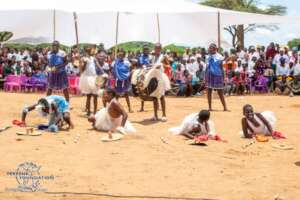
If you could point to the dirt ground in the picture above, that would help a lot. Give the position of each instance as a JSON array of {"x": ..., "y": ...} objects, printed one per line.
[{"x": 142, "y": 166}]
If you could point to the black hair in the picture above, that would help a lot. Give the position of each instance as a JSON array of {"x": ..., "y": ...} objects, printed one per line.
[
  {"x": 56, "y": 42},
  {"x": 111, "y": 92},
  {"x": 145, "y": 46},
  {"x": 122, "y": 51},
  {"x": 44, "y": 102},
  {"x": 213, "y": 45},
  {"x": 203, "y": 115},
  {"x": 245, "y": 107},
  {"x": 157, "y": 45}
]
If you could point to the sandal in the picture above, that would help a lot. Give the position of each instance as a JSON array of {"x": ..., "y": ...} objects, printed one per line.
[{"x": 164, "y": 119}]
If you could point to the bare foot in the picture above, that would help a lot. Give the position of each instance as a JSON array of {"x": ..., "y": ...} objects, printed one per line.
[
  {"x": 130, "y": 111},
  {"x": 226, "y": 110},
  {"x": 71, "y": 126},
  {"x": 141, "y": 110}
]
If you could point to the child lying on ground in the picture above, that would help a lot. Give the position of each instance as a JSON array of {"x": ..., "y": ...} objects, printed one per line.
[
  {"x": 195, "y": 124},
  {"x": 259, "y": 123}
]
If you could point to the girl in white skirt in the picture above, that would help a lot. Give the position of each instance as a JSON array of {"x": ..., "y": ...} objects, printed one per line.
[
  {"x": 257, "y": 123},
  {"x": 195, "y": 124},
  {"x": 87, "y": 82}
]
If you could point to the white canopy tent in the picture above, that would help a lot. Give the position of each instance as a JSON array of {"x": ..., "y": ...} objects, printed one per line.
[{"x": 167, "y": 21}]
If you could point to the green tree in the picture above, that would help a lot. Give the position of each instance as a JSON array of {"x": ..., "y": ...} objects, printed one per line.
[
  {"x": 134, "y": 46},
  {"x": 238, "y": 31},
  {"x": 5, "y": 36},
  {"x": 294, "y": 43},
  {"x": 175, "y": 48}
]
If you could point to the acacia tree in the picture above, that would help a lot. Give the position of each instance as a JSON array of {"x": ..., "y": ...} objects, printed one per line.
[
  {"x": 5, "y": 36},
  {"x": 238, "y": 31}
]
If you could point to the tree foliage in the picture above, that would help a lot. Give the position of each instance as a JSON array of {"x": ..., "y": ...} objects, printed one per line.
[
  {"x": 5, "y": 36},
  {"x": 294, "y": 43},
  {"x": 237, "y": 31},
  {"x": 134, "y": 46}
]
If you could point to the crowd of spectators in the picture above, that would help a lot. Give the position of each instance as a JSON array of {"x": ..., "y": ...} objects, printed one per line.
[{"x": 257, "y": 69}]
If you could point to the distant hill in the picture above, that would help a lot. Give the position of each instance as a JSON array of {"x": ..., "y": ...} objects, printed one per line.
[
  {"x": 30, "y": 40},
  {"x": 128, "y": 46},
  {"x": 175, "y": 48},
  {"x": 138, "y": 45},
  {"x": 134, "y": 46}
]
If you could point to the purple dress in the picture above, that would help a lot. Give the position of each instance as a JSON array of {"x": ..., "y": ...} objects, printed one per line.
[
  {"x": 121, "y": 72},
  {"x": 57, "y": 80},
  {"x": 214, "y": 75}
]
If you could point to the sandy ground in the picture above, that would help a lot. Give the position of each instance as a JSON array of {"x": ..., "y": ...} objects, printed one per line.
[{"x": 141, "y": 166}]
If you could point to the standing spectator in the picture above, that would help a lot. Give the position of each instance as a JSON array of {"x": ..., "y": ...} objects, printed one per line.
[
  {"x": 102, "y": 64},
  {"x": 166, "y": 66},
  {"x": 215, "y": 76},
  {"x": 271, "y": 51},
  {"x": 270, "y": 75},
  {"x": 121, "y": 73},
  {"x": 58, "y": 78}
]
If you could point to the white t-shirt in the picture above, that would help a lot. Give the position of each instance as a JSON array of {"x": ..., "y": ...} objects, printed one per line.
[
  {"x": 276, "y": 59},
  {"x": 71, "y": 69},
  {"x": 239, "y": 69},
  {"x": 26, "y": 70},
  {"x": 251, "y": 70},
  {"x": 282, "y": 70},
  {"x": 105, "y": 66},
  {"x": 157, "y": 60},
  {"x": 297, "y": 69},
  {"x": 90, "y": 68},
  {"x": 241, "y": 54},
  {"x": 60, "y": 53},
  {"x": 193, "y": 68},
  {"x": 254, "y": 54}
]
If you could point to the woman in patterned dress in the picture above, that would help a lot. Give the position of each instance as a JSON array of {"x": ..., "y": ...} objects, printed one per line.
[{"x": 214, "y": 76}]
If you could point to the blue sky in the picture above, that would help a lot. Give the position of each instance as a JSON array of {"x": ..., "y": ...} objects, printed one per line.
[{"x": 285, "y": 32}]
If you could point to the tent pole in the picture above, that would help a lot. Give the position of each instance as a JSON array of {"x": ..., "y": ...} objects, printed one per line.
[
  {"x": 117, "y": 35},
  {"x": 158, "y": 26},
  {"x": 76, "y": 29},
  {"x": 54, "y": 25},
  {"x": 219, "y": 31}
]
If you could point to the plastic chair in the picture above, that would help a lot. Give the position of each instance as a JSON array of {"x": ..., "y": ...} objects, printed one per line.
[
  {"x": 12, "y": 82},
  {"x": 24, "y": 83},
  {"x": 40, "y": 84},
  {"x": 261, "y": 84}
]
